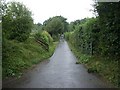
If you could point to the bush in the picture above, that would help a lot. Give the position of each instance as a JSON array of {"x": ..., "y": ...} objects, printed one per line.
[
  {"x": 16, "y": 22},
  {"x": 67, "y": 35},
  {"x": 18, "y": 56},
  {"x": 48, "y": 37},
  {"x": 44, "y": 39}
]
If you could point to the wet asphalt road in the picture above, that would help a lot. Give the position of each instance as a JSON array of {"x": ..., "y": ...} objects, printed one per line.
[{"x": 59, "y": 72}]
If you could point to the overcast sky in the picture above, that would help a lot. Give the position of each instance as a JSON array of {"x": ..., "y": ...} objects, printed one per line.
[{"x": 70, "y": 9}]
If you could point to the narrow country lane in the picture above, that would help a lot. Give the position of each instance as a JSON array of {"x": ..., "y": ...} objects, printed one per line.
[{"x": 61, "y": 71}]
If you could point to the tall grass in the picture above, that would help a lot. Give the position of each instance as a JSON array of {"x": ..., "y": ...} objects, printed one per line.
[{"x": 19, "y": 56}]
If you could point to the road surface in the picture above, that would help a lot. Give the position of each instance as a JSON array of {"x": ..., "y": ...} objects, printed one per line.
[{"x": 60, "y": 71}]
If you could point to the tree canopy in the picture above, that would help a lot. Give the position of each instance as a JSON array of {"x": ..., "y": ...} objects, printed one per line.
[
  {"x": 16, "y": 21},
  {"x": 55, "y": 25}
]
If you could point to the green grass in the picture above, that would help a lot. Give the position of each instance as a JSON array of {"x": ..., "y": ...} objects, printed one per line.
[
  {"x": 107, "y": 68},
  {"x": 20, "y": 56}
]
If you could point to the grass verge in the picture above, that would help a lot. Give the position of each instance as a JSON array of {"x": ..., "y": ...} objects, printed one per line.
[
  {"x": 20, "y": 56},
  {"x": 103, "y": 66}
]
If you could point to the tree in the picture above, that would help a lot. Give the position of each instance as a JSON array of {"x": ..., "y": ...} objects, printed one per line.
[
  {"x": 109, "y": 21},
  {"x": 55, "y": 25},
  {"x": 86, "y": 35},
  {"x": 16, "y": 21}
]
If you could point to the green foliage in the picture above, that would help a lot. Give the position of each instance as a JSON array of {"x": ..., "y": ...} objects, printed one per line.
[
  {"x": 109, "y": 21},
  {"x": 36, "y": 28},
  {"x": 55, "y": 25},
  {"x": 20, "y": 56},
  {"x": 50, "y": 39},
  {"x": 107, "y": 68},
  {"x": 16, "y": 21},
  {"x": 109, "y": 25},
  {"x": 75, "y": 25},
  {"x": 44, "y": 39},
  {"x": 68, "y": 35},
  {"x": 99, "y": 37},
  {"x": 95, "y": 41},
  {"x": 85, "y": 36}
]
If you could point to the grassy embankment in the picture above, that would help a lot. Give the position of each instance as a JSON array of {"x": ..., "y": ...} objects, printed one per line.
[
  {"x": 106, "y": 68},
  {"x": 21, "y": 56}
]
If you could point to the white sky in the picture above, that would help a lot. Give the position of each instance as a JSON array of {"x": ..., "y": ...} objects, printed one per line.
[{"x": 70, "y": 9}]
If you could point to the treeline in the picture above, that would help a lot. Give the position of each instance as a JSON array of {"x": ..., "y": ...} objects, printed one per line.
[
  {"x": 97, "y": 40},
  {"x": 25, "y": 43},
  {"x": 20, "y": 48},
  {"x": 56, "y": 26},
  {"x": 84, "y": 35},
  {"x": 52, "y": 28}
]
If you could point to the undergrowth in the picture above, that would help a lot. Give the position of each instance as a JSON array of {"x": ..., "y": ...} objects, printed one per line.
[
  {"x": 103, "y": 66},
  {"x": 19, "y": 56}
]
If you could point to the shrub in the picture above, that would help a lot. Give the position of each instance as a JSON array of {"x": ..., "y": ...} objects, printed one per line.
[
  {"x": 16, "y": 22},
  {"x": 44, "y": 39}
]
